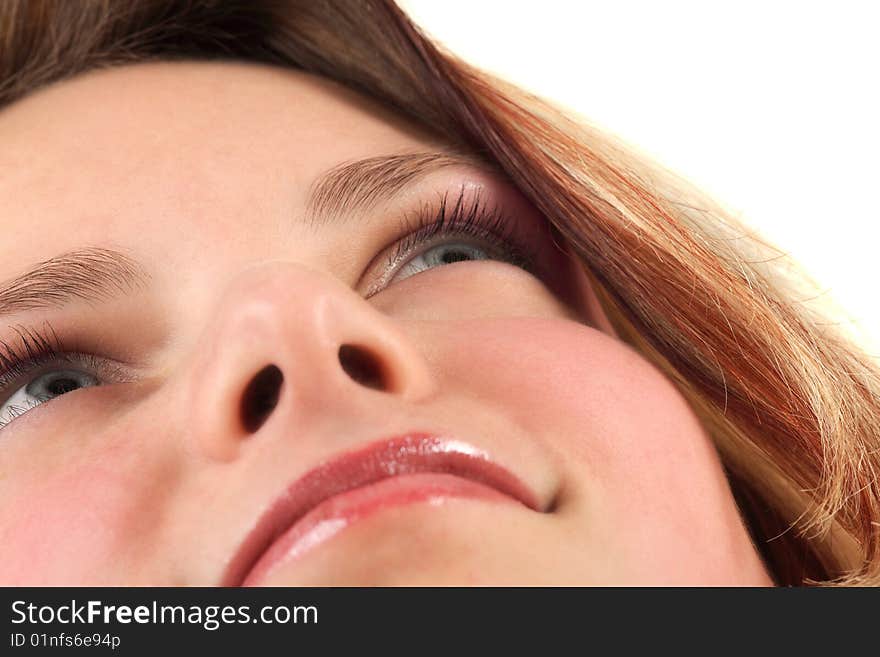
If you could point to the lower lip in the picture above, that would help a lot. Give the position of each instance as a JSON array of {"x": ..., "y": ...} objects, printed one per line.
[{"x": 341, "y": 511}]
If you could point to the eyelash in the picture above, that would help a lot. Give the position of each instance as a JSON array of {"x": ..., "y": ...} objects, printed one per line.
[
  {"x": 38, "y": 348},
  {"x": 465, "y": 218},
  {"x": 472, "y": 218}
]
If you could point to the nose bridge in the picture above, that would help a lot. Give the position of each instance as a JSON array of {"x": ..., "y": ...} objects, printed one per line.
[{"x": 288, "y": 341}]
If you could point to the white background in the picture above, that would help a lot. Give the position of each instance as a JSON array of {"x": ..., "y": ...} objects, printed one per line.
[{"x": 771, "y": 106}]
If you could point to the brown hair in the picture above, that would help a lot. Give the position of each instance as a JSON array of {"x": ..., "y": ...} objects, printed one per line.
[{"x": 793, "y": 408}]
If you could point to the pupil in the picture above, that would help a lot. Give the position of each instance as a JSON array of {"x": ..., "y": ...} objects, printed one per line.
[
  {"x": 454, "y": 256},
  {"x": 61, "y": 386}
]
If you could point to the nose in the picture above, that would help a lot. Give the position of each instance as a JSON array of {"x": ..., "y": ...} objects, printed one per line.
[{"x": 288, "y": 341}]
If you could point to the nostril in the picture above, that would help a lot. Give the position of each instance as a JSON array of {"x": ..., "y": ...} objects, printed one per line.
[
  {"x": 362, "y": 366},
  {"x": 261, "y": 397}
]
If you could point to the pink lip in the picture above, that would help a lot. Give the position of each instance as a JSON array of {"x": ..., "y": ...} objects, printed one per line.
[{"x": 411, "y": 468}]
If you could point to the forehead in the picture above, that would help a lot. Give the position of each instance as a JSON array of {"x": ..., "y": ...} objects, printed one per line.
[
  {"x": 161, "y": 103},
  {"x": 128, "y": 145}
]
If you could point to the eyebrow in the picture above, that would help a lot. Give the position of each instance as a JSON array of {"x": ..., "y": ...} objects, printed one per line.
[
  {"x": 362, "y": 184},
  {"x": 98, "y": 274},
  {"x": 89, "y": 274}
]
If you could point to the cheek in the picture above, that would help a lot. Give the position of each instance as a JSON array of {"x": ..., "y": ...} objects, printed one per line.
[
  {"x": 590, "y": 396},
  {"x": 55, "y": 523},
  {"x": 61, "y": 530},
  {"x": 471, "y": 290},
  {"x": 634, "y": 459},
  {"x": 78, "y": 505}
]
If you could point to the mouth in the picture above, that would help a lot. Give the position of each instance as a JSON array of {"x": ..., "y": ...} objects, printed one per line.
[{"x": 404, "y": 470}]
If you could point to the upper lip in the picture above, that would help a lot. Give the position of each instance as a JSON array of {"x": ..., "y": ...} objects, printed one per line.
[{"x": 410, "y": 453}]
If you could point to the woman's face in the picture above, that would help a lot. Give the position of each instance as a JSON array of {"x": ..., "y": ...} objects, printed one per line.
[{"x": 451, "y": 410}]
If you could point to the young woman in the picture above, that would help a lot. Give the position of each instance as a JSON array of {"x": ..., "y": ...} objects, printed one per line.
[{"x": 289, "y": 296}]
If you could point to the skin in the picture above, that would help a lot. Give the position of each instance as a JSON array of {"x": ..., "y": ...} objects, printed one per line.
[{"x": 201, "y": 171}]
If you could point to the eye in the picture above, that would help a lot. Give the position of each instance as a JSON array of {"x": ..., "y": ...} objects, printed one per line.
[
  {"x": 467, "y": 230},
  {"x": 443, "y": 254},
  {"x": 40, "y": 370},
  {"x": 43, "y": 388}
]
